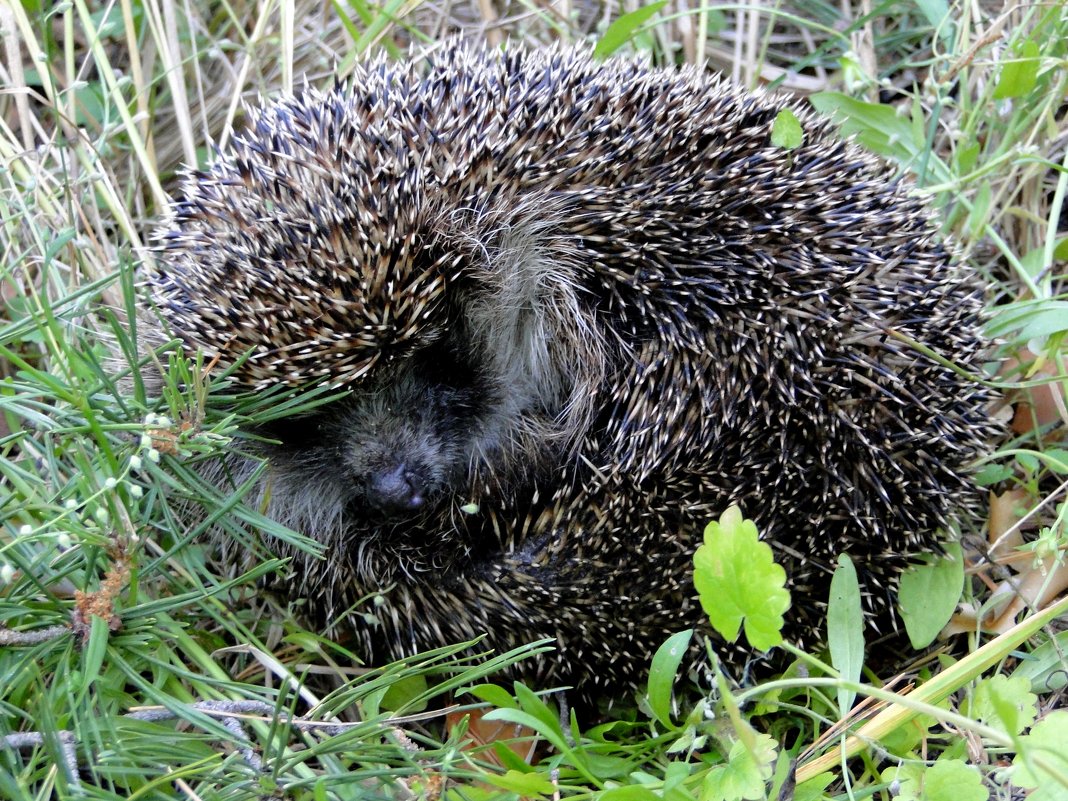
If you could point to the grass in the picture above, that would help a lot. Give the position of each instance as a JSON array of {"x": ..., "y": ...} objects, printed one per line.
[{"x": 130, "y": 668}]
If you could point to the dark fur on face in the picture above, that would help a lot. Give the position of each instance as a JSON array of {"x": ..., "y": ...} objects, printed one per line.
[{"x": 397, "y": 446}]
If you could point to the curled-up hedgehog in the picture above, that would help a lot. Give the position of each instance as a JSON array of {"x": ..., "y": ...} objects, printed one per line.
[{"x": 579, "y": 309}]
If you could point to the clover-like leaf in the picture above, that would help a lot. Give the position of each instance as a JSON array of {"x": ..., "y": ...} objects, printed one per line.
[
  {"x": 1003, "y": 702},
  {"x": 739, "y": 582},
  {"x": 1045, "y": 741},
  {"x": 746, "y": 773},
  {"x": 953, "y": 780}
]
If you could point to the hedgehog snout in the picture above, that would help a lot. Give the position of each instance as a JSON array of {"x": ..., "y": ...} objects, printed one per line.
[
  {"x": 397, "y": 489},
  {"x": 399, "y": 471}
]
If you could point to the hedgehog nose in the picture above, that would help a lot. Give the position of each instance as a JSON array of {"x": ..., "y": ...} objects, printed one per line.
[{"x": 396, "y": 490}]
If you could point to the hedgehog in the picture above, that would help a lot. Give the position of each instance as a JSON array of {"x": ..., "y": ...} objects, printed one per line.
[{"x": 575, "y": 309}]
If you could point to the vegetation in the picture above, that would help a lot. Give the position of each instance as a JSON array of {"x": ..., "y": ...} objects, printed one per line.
[{"x": 130, "y": 667}]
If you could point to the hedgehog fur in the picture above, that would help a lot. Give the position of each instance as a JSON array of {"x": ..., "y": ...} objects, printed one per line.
[{"x": 594, "y": 301}]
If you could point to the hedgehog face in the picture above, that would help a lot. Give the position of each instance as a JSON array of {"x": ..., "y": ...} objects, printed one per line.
[{"x": 399, "y": 444}]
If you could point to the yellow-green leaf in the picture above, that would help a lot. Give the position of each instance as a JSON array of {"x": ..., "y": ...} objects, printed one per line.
[
  {"x": 739, "y": 582},
  {"x": 786, "y": 131}
]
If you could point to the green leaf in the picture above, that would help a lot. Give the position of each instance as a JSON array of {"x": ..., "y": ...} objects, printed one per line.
[
  {"x": 992, "y": 474},
  {"x": 1030, "y": 319},
  {"x": 1045, "y": 667},
  {"x": 633, "y": 792},
  {"x": 738, "y": 582},
  {"x": 1028, "y": 461},
  {"x": 786, "y": 131},
  {"x": 620, "y": 31},
  {"x": 845, "y": 628},
  {"x": 745, "y": 774},
  {"x": 1056, "y": 459},
  {"x": 879, "y": 128},
  {"x": 492, "y": 694},
  {"x": 607, "y": 766},
  {"x": 909, "y": 777},
  {"x": 531, "y": 703},
  {"x": 929, "y": 594},
  {"x": 812, "y": 790},
  {"x": 550, "y": 730},
  {"x": 508, "y": 758},
  {"x": 1019, "y": 72},
  {"x": 784, "y": 773},
  {"x": 402, "y": 692},
  {"x": 526, "y": 784},
  {"x": 1060, "y": 250},
  {"x": 1003, "y": 702},
  {"x": 676, "y": 773},
  {"x": 1046, "y": 740},
  {"x": 662, "y": 674},
  {"x": 966, "y": 157},
  {"x": 953, "y": 780},
  {"x": 94, "y": 651}
]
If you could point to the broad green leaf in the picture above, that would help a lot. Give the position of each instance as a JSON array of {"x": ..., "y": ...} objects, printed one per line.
[
  {"x": 993, "y": 473},
  {"x": 676, "y": 773},
  {"x": 531, "y": 703},
  {"x": 745, "y": 774},
  {"x": 966, "y": 158},
  {"x": 662, "y": 674},
  {"x": 908, "y": 776},
  {"x": 1028, "y": 460},
  {"x": 1029, "y": 319},
  {"x": 552, "y": 732},
  {"x": 526, "y": 784},
  {"x": 1019, "y": 71},
  {"x": 953, "y": 780},
  {"x": 493, "y": 694},
  {"x": 880, "y": 129},
  {"x": 1046, "y": 740},
  {"x": 94, "y": 651},
  {"x": 402, "y": 692},
  {"x": 1004, "y": 703},
  {"x": 608, "y": 766},
  {"x": 877, "y": 125},
  {"x": 946, "y": 780},
  {"x": 786, "y": 131},
  {"x": 845, "y": 628},
  {"x": 910, "y": 734},
  {"x": 738, "y": 582},
  {"x": 929, "y": 594},
  {"x": 783, "y": 774},
  {"x": 1056, "y": 460},
  {"x": 620, "y": 31}
]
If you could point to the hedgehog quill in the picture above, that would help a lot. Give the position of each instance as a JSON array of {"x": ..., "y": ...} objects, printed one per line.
[{"x": 593, "y": 305}]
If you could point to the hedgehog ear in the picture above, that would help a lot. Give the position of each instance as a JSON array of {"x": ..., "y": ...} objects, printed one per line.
[{"x": 534, "y": 336}]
